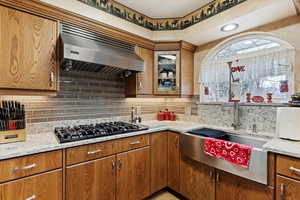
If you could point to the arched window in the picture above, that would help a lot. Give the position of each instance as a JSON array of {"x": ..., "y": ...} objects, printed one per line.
[{"x": 256, "y": 65}]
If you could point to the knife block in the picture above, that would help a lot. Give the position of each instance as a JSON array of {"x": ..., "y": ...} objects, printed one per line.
[{"x": 12, "y": 136}]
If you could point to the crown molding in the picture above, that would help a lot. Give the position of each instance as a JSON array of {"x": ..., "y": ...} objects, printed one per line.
[{"x": 128, "y": 14}]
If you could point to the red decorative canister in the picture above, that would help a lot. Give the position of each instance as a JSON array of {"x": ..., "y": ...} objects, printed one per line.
[
  {"x": 160, "y": 116},
  {"x": 173, "y": 116}
]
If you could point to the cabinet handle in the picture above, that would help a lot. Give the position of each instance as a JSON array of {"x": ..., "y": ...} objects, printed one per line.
[
  {"x": 177, "y": 142},
  {"x": 211, "y": 173},
  {"x": 295, "y": 170},
  {"x": 140, "y": 85},
  {"x": 282, "y": 196},
  {"x": 52, "y": 79},
  {"x": 113, "y": 166},
  {"x": 119, "y": 164},
  {"x": 31, "y": 198},
  {"x": 134, "y": 143},
  {"x": 94, "y": 152},
  {"x": 25, "y": 168},
  {"x": 218, "y": 177}
]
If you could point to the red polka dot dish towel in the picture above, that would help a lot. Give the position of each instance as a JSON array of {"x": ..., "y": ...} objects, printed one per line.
[{"x": 238, "y": 154}]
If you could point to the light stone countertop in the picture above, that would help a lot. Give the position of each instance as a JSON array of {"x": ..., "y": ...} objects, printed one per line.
[
  {"x": 47, "y": 141},
  {"x": 285, "y": 147}
]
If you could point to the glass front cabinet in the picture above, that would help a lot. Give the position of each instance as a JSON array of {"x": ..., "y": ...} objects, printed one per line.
[{"x": 167, "y": 73}]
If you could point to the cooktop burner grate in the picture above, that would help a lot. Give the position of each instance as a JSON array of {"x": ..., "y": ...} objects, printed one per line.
[{"x": 83, "y": 132}]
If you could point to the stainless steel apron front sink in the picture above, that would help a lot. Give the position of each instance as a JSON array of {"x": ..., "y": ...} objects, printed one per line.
[{"x": 192, "y": 146}]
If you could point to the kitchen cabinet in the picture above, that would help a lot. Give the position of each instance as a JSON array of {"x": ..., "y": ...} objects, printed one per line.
[
  {"x": 287, "y": 189},
  {"x": 141, "y": 84},
  {"x": 287, "y": 178},
  {"x": 173, "y": 161},
  {"x": 231, "y": 187},
  {"x": 29, "y": 165},
  {"x": 91, "y": 180},
  {"x": 159, "y": 161},
  {"x": 46, "y": 186},
  {"x": 167, "y": 73},
  {"x": 196, "y": 180},
  {"x": 133, "y": 174},
  {"x": 28, "y": 51},
  {"x": 174, "y": 69}
]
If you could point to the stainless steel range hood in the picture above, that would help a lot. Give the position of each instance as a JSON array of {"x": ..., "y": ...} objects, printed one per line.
[{"x": 88, "y": 51}]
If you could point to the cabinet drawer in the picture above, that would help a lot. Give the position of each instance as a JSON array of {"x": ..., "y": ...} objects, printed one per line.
[
  {"x": 89, "y": 152},
  {"x": 46, "y": 186},
  {"x": 288, "y": 166},
  {"x": 28, "y": 165},
  {"x": 131, "y": 143}
]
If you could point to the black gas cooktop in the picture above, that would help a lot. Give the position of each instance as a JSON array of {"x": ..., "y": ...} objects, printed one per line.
[{"x": 83, "y": 132}]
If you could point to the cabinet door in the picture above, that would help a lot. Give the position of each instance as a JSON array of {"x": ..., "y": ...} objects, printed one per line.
[
  {"x": 28, "y": 56},
  {"x": 133, "y": 174},
  {"x": 159, "y": 161},
  {"x": 45, "y": 186},
  {"x": 287, "y": 189},
  {"x": 141, "y": 84},
  {"x": 173, "y": 161},
  {"x": 231, "y": 187},
  {"x": 167, "y": 73},
  {"x": 145, "y": 79},
  {"x": 92, "y": 180},
  {"x": 187, "y": 72},
  {"x": 196, "y": 180}
]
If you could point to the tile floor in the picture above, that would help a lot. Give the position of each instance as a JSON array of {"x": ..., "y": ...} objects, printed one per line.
[{"x": 164, "y": 195}]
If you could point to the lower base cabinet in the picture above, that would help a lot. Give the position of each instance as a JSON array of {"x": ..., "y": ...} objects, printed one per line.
[
  {"x": 133, "y": 174},
  {"x": 46, "y": 186},
  {"x": 92, "y": 180},
  {"x": 173, "y": 162},
  {"x": 197, "y": 180},
  {"x": 231, "y": 187},
  {"x": 287, "y": 188}
]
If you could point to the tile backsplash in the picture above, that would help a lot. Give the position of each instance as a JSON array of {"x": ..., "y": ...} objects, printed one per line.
[
  {"x": 88, "y": 96},
  {"x": 85, "y": 97}
]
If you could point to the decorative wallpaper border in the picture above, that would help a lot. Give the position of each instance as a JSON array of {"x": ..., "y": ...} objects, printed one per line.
[{"x": 128, "y": 14}]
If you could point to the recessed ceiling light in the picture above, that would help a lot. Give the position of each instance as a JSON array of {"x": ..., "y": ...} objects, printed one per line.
[{"x": 229, "y": 27}]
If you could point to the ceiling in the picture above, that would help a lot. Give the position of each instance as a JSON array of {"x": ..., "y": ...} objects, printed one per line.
[
  {"x": 164, "y": 8},
  {"x": 248, "y": 15}
]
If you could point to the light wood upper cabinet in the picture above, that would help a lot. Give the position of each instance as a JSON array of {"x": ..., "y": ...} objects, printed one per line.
[
  {"x": 231, "y": 187},
  {"x": 92, "y": 180},
  {"x": 167, "y": 72},
  {"x": 141, "y": 83},
  {"x": 196, "y": 180},
  {"x": 133, "y": 174},
  {"x": 47, "y": 186},
  {"x": 173, "y": 161},
  {"x": 28, "y": 51},
  {"x": 174, "y": 69},
  {"x": 287, "y": 189},
  {"x": 159, "y": 161}
]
